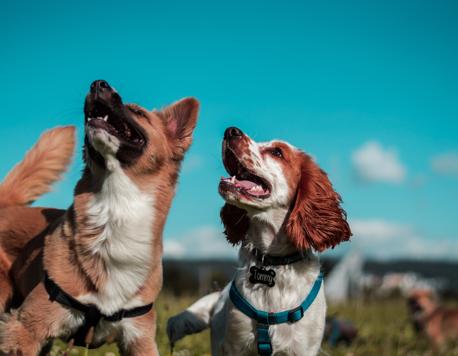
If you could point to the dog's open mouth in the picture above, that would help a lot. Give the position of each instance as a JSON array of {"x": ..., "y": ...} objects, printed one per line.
[
  {"x": 241, "y": 180},
  {"x": 116, "y": 124}
]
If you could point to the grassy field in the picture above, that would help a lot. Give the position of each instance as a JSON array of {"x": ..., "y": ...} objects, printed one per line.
[{"x": 383, "y": 330}]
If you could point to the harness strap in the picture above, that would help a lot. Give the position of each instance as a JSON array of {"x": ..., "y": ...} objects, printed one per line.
[
  {"x": 265, "y": 319},
  {"x": 92, "y": 314}
]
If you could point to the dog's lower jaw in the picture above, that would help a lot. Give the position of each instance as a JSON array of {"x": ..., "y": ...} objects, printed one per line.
[
  {"x": 102, "y": 141},
  {"x": 106, "y": 145}
]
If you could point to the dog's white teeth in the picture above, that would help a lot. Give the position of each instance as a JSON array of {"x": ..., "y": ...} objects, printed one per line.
[
  {"x": 105, "y": 118},
  {"x": 233, "y": 179},
  {"x": 89, "y": 119}
]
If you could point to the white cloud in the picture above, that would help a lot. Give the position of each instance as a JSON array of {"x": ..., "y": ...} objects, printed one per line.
[
  {"x": 201, "y": 242},
  {"x": 173, "y": 248},
  {"x": 446, "y": 163},
  {"x": 373, "y": 163},
  {"x": 386, "y": 240},
  {"x": 378, "y": 229},
  {"x": 374, "y": 238}
]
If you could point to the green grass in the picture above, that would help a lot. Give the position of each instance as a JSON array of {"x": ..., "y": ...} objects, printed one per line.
[{"x": 383, "y": 329}]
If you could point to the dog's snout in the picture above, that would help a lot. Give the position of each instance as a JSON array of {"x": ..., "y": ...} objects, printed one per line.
[
  {"x": 101, "y": 98},
  {"x": 99, "y": 86},
  {"x": 101, "y": 91},
  {"x": 232, "y": 132}
]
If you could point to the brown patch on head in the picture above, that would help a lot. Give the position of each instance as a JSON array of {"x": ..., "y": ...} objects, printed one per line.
[
  {"x": 316, "y": 219},
  {"x": 290, "y": 160},
  {"x": 168, "y": 134},
  {"x": 138, "y": 139}
]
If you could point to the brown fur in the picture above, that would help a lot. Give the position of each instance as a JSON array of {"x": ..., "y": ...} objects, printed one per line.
[
  {"x": 317, "y": 219},
  {"x": 439, "y": 324},
  {"x": 43, "y": 165},
  {"x": 67, "y": 235}
]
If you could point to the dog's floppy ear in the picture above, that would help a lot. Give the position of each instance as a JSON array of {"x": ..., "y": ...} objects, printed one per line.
[
  {"x": 180, "y": 120},
  {"x": 236, "y": 223},
  {"x": 316, "y": 220}
]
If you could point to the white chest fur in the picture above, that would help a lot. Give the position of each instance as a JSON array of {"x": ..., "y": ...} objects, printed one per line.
[
  {"x": 126, "y": 215},
  {"x": 293, "y": 283}
]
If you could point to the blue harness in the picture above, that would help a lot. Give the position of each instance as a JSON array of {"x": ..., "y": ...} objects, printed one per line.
[{"x": 265, "y": 319}]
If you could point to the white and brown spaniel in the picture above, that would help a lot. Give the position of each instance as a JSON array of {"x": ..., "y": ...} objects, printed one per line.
[{"x": 280, "y": 207}]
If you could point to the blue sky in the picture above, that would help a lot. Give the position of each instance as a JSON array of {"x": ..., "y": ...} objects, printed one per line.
[{"x": 369, "y": 88}]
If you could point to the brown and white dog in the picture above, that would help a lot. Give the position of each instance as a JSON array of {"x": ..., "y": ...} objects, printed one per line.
[
  {"x": 278, "y": 203},
  {"x": 439, "y": 324},
  {"x": 105, "y": 250}
]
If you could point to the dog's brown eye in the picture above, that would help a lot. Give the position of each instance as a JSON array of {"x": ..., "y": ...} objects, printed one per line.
[
  {"x": 277, "y": 152},
  {"x": 137, "y": 111}
]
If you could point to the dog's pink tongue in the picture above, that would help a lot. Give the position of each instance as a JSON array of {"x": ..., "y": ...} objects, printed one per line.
[{"x": 246, "y": 184}]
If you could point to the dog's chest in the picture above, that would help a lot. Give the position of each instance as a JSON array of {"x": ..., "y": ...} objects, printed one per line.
[
  {"x": 125, "y": 216},
  {"x": 299, "y": 338}
]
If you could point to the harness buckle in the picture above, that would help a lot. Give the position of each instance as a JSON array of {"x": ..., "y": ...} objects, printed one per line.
[
  {"x": 93, "y": 315},
  {"x": 292, "y": 314},
  {"x": 271, "y": 319}
]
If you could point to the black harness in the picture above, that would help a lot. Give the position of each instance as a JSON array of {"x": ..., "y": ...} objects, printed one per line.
[{"x": 92, "y": 315}]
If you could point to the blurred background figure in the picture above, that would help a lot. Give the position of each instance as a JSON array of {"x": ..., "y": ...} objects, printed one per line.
[
  {"x": 339, "y": 331},
  {"x": 344, "y": 280},
  {"x": 438, "y": 323}
]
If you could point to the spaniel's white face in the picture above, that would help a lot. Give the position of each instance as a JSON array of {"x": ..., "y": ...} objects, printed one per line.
[
  {"x": 262, "y": 174},
  {"x": 275, "y": 177}
]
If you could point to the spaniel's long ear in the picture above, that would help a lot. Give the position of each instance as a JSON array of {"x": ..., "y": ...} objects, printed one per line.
[
  {"x": 236, "y": 223},
  {"x": 316, "y": 219}
]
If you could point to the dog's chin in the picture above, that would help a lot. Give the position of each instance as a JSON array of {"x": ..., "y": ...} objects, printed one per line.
[
  {"x": 107, "y": 150},
  {"x": 103, "y": 142}
]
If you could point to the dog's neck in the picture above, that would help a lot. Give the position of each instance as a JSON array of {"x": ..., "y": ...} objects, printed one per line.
[
  {"x": 266, "y": 232},
  {"x": 119, "y": 227}
]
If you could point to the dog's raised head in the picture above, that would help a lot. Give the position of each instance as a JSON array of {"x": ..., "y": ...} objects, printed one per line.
[
  {"x": 128, "y": 135},
  {"x": 422, "y": 302},
  {"x": 275, "y": 175}
]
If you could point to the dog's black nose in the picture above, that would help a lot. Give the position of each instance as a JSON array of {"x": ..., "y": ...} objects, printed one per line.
[
  {"x": 99, "y": 86},
  {"x": 232, "y": 132}
]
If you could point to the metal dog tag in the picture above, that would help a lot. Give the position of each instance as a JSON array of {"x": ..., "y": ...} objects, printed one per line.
[{"x": 262, "y": 275}]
